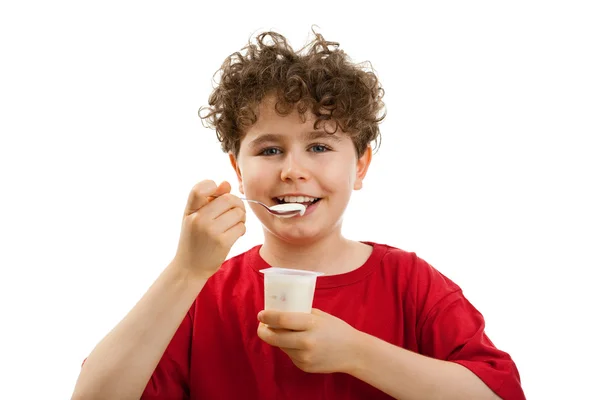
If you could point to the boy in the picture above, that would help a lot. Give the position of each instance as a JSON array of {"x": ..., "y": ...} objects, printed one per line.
[{"x": 298, "y": 128}]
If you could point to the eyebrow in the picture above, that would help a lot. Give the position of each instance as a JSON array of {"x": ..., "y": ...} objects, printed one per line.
[
  {"x": 312, "y": 135},
  {"x": 275, "y": 137}
]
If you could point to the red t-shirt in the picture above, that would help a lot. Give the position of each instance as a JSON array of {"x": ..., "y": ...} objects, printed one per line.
[{"x": 395, "y": 296}]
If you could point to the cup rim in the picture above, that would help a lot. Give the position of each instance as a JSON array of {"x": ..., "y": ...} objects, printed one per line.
[{"x": 290, "y": 271}]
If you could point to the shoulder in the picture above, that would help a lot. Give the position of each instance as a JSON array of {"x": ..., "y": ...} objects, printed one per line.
[
  {"x": 408, "y": 265},
  {"x": 414, "y": 277}
]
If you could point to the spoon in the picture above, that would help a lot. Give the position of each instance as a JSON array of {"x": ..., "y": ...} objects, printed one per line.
[{"x": 286, "y": 210}]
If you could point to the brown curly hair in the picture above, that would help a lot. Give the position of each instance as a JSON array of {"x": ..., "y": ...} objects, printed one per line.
[{"x": 319, "y": 77}]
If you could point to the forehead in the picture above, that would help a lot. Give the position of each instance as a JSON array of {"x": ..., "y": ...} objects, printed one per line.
[{"x": 271, "y": 123}]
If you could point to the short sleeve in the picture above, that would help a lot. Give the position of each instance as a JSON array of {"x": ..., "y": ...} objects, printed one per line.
[
  {"x": 170, "y": 380},
  {"x": 454, "y": 331}
]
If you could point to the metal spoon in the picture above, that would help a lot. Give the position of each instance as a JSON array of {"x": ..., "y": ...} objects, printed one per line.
[{"x": 286, "y": 210}]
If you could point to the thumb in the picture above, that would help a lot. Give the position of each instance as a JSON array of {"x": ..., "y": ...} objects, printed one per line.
[
  {"x": 223, "y": 188},
  {"x": 203, "y": 192}
]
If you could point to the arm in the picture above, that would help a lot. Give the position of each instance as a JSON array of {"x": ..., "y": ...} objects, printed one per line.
[
  {"x": 122, "y": 363},
  {"x": 322, "y": 343},
  {"x": 406, "y": 375}
]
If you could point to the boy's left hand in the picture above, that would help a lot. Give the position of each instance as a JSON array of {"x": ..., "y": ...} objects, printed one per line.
[{"x": 317, "y": 342}]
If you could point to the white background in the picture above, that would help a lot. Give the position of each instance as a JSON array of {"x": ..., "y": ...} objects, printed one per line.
[{"x": 489, "y": 159}]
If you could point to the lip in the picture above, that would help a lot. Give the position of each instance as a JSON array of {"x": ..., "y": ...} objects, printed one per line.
[
  {"x": 296, "y": 195},
  {"x": 309, "y": 210}
]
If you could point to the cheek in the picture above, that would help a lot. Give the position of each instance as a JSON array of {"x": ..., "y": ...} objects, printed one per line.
[
  {"x": 336, "y": 180},
  {"x": 346, "y": 175},
  {"x": 256, "y": 178}
]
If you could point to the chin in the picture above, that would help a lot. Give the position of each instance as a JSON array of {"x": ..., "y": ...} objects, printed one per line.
[
  {"x": 298, "y": 240},
  {"x": 308, "y": 234},
  {"x": 296, "y": 235}
]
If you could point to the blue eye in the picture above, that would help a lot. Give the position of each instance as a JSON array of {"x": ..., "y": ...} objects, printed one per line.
[
  {"x": 319, "y": 148},
  {"x": 270, "y": 151}
]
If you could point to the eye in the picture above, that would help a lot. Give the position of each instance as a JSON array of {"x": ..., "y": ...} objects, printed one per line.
[
  {"x": 269, "y": 151},
  {"x": 319, "y": 148}
]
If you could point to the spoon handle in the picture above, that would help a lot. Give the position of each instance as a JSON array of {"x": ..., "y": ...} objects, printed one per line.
[
  {"x": 252, "y": 201},
  {"x": 255, "y": 201}
]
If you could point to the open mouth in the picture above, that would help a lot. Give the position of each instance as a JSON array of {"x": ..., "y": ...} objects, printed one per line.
[{"x": 307, "y": 201}]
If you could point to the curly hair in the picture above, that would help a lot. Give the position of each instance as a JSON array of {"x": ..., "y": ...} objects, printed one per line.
[{"x": 320, "y": 77}]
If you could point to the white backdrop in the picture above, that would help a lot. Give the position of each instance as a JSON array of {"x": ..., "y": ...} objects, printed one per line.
[{"x": 488, "y": 156}]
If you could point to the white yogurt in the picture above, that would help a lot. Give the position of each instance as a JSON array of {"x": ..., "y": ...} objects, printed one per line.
[
  {"x": 289, "y": 289},
  {"x": 289, "y": 207}
]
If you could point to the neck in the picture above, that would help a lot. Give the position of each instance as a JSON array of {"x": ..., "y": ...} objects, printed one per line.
[{"x": 332, "y": 254}]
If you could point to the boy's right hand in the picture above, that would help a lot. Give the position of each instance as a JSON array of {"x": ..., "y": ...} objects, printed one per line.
[{"x": 213, "y": 220}]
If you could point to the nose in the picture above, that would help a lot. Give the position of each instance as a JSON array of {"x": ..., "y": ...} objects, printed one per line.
[{"x": 294, "y": 169}]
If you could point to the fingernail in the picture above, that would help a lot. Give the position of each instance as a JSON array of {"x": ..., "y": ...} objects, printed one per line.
[{"x": 260, "y": 315}]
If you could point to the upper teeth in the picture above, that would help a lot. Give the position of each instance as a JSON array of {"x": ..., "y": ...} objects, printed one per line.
[{"x": 297, "y": 199}]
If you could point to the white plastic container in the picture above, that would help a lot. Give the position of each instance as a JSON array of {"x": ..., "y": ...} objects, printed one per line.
[{"x": 289, "y": 290}]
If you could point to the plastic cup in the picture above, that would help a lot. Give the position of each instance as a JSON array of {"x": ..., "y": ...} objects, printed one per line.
[{"x": 290, "y": 290}]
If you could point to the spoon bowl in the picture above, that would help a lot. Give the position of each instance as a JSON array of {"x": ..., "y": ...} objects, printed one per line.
[{"x": 286, "y": 210}]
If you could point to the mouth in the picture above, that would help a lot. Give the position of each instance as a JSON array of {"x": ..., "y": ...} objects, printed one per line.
[{"x": 307, "y": 201}]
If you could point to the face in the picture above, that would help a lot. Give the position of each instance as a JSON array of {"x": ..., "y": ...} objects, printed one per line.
[{"x": 283, "y": 159}]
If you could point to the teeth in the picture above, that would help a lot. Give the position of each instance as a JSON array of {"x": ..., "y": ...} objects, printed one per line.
[{"x": 297, "y": 199}]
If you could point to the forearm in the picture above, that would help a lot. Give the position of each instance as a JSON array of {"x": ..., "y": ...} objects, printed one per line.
[
  {"x": 123, "y": 362},
  {"x": 407, "y": 375}
]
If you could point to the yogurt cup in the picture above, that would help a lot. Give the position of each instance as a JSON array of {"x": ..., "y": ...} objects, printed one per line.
[{"x": 289, "y": 290}]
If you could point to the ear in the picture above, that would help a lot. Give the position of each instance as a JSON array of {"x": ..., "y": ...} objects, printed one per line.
[
  {"x": 237, "y": 170},
  {"x": 362, "y": 166}
]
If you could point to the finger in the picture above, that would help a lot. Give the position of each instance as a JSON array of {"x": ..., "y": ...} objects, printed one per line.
[
  {"x": 203, "y": 193},
  {"x": 285, "y": 339},
  {"x": 282, "y": 338},
  {"x": 234, "y": 233},
  {"x": 198, "y": 196},
  {"x": 223, "y": 188},
  {"x": 287, "y": 320},
  {"x": 229, "y": 219},
  {"x": 221, "y": 205}
]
